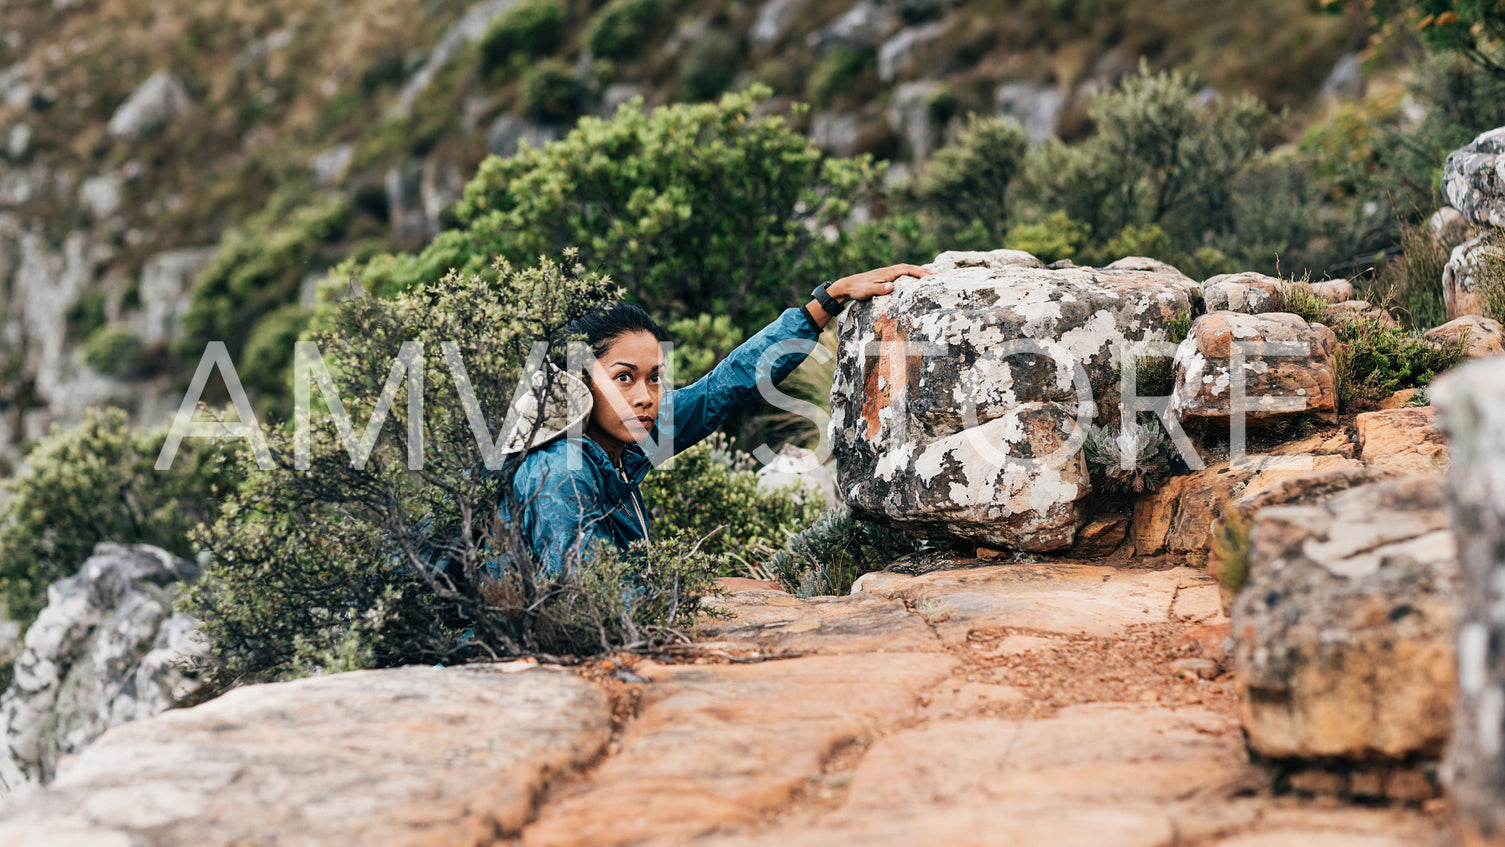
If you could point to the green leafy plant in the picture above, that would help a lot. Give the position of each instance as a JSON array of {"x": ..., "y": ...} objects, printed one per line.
[
  {"x": 696, "y": 209},
  {"x": 1137, "y": 462},
  {"x": 96, "y": 482},
  {"x": 1180, "y": 327},
  {"x": 962, "y": 191},
  {"x": 1228, "y": 549},
  {"x": 1299, "y": 300},
  {"x": 837, "y": 73},
  {"x": 113, "y": 350},
  {"x": 708, "y": 68},
  {"x": 552, "y": 93},
  {"x": 827, "y": 557},
  {"x": 711, "y": 491},
  {"x": 338, "y": 565},
  {"x": 622, "y": 29},
  {"x": 527, "y": 30},
  {"x": 1375, "y": 361},
  {"x": 257, "y": 269},
  {"x": 1162, "y": 173}
]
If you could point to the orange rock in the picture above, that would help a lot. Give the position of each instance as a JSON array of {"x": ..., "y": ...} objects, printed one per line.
[
  {"x": 1485, "y": 336},
  {"x": 1404, "y": 440}
]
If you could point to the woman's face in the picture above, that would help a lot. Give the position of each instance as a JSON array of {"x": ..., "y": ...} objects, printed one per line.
[{"x": 625, "y": 384}]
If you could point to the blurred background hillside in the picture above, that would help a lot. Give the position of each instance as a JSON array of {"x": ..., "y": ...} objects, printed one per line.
[{"x": 174, "y": 172}]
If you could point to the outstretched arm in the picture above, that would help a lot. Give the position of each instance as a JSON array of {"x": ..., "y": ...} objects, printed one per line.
[{"x": 698, "y": 409}]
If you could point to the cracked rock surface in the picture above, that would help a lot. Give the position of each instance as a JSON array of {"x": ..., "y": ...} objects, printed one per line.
[{"x": 1054, "y": 702}]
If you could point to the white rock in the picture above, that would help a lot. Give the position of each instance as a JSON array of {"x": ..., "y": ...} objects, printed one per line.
[
  {"x": 101, "y": 194},
  {"x": 1036, "y": 107},
  {"x": 154, "y": 104}
]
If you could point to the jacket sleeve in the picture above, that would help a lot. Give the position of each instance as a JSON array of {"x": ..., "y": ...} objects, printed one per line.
[
  {"x": 561, "y": 505},
  {"x": 696, "y": 410}
]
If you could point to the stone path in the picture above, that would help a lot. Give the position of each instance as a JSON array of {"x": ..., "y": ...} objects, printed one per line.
[{"x": 1052, "y": 704}]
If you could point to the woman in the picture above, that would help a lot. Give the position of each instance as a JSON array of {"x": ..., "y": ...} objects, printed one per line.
[{"x": 577, "y": 491}]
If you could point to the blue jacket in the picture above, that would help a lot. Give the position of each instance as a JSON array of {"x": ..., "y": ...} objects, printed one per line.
[{"x": 574, "y": 496}]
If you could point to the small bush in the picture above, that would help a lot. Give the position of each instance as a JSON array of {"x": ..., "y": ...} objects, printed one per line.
[
  {"x": 1409, "y": 284},
  {"x": 268, "y": 356},
  {"x": 1228, "y": 548},
  {"x": 113, "y": 350},
  {"x": 826, "y": 558},
  {"x": 962, "y": 192},
  {"x": 1052, "y": 239},
  {"x": 96, "y": 483},
  {"x": 836, "y": 74},
  {"x": 257, "y": 269},
  {"x": 1489, "y": 277},
  {"x": 535, "y": 28},
  {"x": 1302, "y": 302},
  {"x": 552, "y": 93},
  {"x": 707, "y": 70},
  {"x": 1149, "y": 454},
  {"x": 701, "y": 342},
  {"x": 1181, "y": 327},
  {"x": 1375, "y": 361},
  {"x": 334, "y": 567},
  {"x": 711, "y": 492},
  {"x": 622, "y": 29},
  {"x": 85, "y": 314}
]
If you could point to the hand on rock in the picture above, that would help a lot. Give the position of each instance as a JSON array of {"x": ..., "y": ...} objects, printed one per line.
[{"x": 872, "y": 283}]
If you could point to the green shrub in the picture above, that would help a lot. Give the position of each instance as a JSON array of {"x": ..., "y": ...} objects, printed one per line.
[
  {"x": 330, "y": 567},
  {"x": 836, "y": 74},
  {"x": 1052, "y": 239},
  {"x": 708, "y": 68},
  {"x": 1156, "y": 157},
  {"x": 1489, "y": 276},
  {"x": 113, "y": 350},
  {"x": 1375, "y": 361},
  {"x": 552, "y": 93},
  {"x": 1302, "y": 302},
  {"x": 257, "y": 269},
  {"x": 826, "y": 558},
  {"x": 530, "y": 29},
  {"x": 962, "y": 191},
  {"x": 96, "y": 483},
  {"x": 622, "y": 29},
  {"x": 701, "y": 342},
  {"x": 85, "y": 314},
  {"x": 1140, "y": 466},
  {"x": 1181, "y": 327},
  {"x": 1409, "y": 284},
  {"x": 711, "y": 492},
  {"x": 266, "y": 362},
  {"x": 696, "y": 209}
]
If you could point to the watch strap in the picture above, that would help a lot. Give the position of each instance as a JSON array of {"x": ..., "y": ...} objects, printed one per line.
[{"x": 826, "y": 301}]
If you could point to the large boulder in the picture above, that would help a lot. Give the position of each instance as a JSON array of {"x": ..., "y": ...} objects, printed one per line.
[
  {"x": 1473, "y": 179},
  {"x": 955, "y": 396},
  {"x": 1469, "y": 263},
  {"x": 1472, "y": 401},
  {"x": 1343, "y": 633},
  {"x": 1481, "y": 336},
  {"x": 1303, "y": 381},
  {"x": 106, "y": 650}
]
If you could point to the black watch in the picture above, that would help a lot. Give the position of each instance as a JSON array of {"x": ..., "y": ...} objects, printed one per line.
[{"x": 826, "y": 301}]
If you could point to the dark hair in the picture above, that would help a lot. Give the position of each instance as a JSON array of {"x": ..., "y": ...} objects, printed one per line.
[{"x": 601, "y": 327}]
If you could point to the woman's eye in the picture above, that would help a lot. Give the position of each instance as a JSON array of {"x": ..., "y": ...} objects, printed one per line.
[
  {"x": 624, "y": 378},
  {"x": 656, "y": 379}
]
